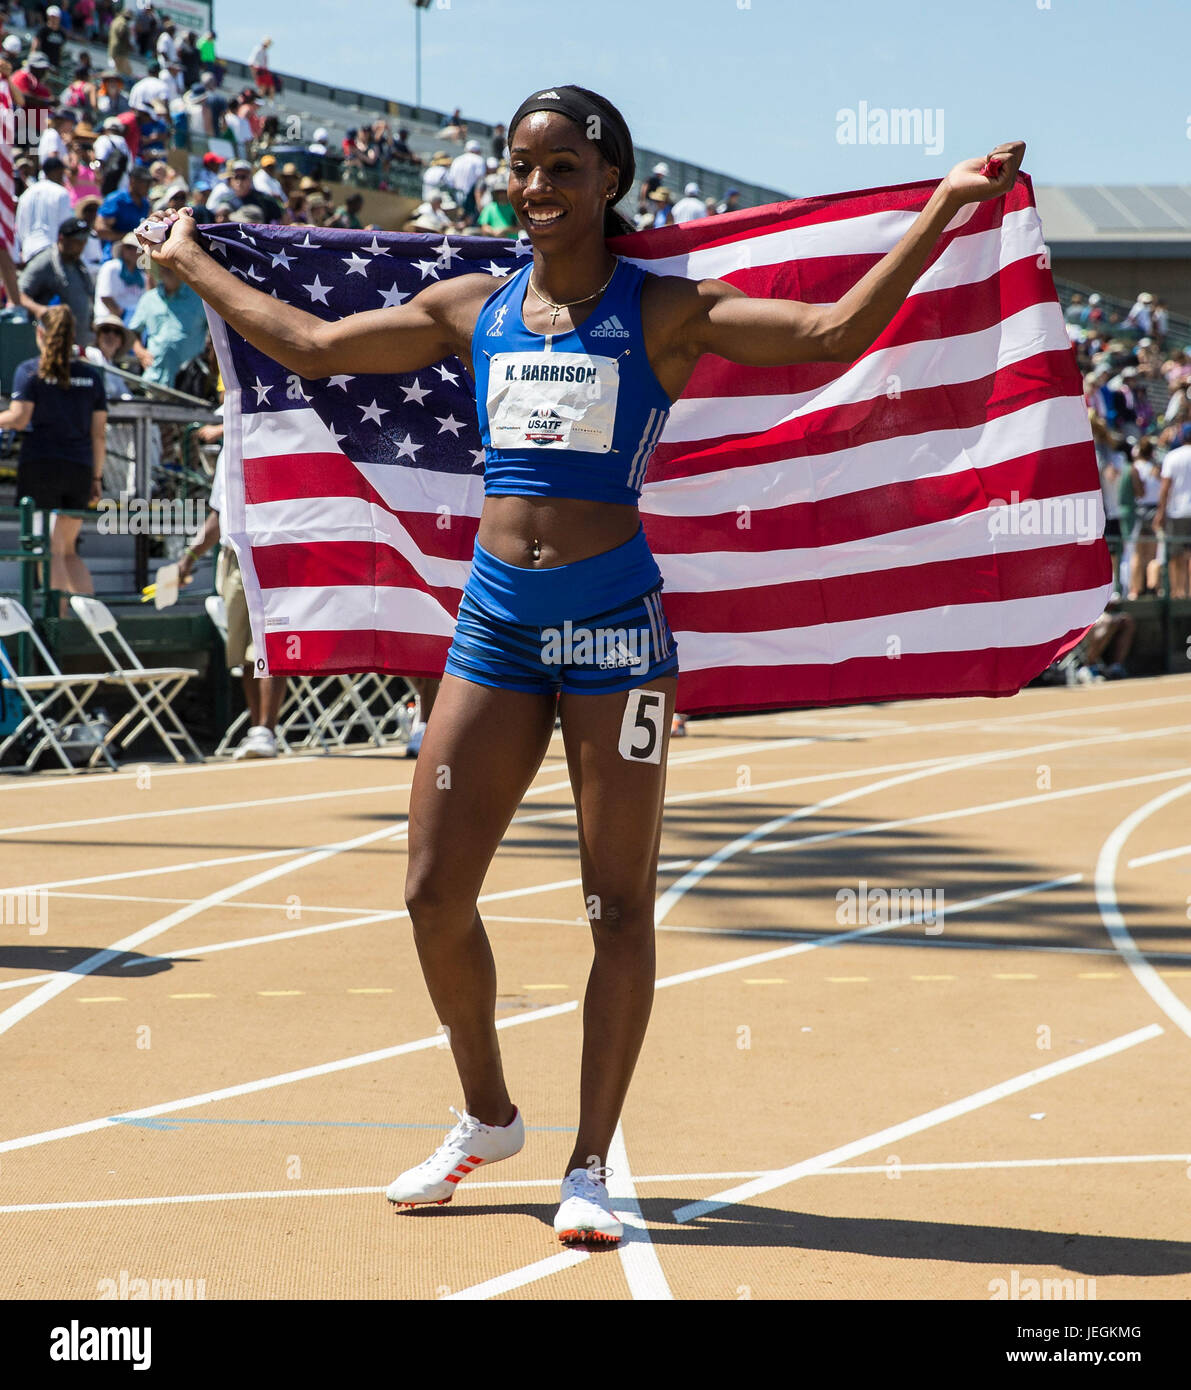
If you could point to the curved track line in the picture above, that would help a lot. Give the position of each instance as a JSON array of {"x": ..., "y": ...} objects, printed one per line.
[
  {"x": 1114, "y": 923},
  {"x": 694, "y": 876}
]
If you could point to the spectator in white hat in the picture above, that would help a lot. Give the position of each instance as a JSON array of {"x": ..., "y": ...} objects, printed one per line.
[
  {"x": 319, "y": 144},
  {"x": 50, "y": 39},
  {"x": 650, "y": 187},
  {"x": 430, "y": 216},
  {"x": 120, "y": 282},
  {"x": 466, "y": 171},
  {"x": 1141, "y": 316},
  {"x": 691, "y": 205}
]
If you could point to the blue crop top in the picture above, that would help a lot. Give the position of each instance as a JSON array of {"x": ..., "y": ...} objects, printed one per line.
[{"x": 569, "y": 414}]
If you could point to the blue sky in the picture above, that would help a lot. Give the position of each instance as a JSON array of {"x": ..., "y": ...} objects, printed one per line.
[{"x": 754, "y": 87}]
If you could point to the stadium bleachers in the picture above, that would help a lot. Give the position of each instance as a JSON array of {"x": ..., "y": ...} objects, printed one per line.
[{"x": 337, "y": 109}]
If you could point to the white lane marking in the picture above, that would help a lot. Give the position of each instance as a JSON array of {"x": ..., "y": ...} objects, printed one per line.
[
  {"x": 668, "y": 900},
  {"x": 518, "y": 1277},
  {"x": 435, "y": 1039},
  {"x": 44, "y": 993},
  {"x": 281, "y": 908},
  {"x": 1114, "y": 922},
  {"x": 182, "y": 1199},
  {"x": 188, "y": 867},
  {"x": 873, "y": 929},
  {"x": 245, "y": 1088},
  {"x": 982, "y": 808},
  {"x": 638, "y": 1256},
  {"x": 161, "y": 770},
  {"x": 992, "y": 1164},
  {"x": 940, "y": 1115},
  {"x": 1160, "y": 856},
  {"x": 208, "y": 808}
]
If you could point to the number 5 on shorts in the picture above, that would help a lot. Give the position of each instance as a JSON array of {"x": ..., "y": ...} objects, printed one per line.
[{"x": 641, "y": 727}]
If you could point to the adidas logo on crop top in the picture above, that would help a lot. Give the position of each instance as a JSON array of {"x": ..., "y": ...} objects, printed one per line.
[{"x": 552, "y": 405}]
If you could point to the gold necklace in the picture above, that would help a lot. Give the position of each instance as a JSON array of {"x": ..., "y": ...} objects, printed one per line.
[{"x": 558, "y": 308}]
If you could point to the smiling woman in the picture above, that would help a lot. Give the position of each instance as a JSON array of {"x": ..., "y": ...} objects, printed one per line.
[{"x": 577, "y": 358}]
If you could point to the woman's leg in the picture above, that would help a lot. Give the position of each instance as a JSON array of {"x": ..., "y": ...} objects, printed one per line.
[
  {"x": 481, "y": 750},
  {"x": 619, "y": 806},
  {"x": 68, "y": 571}
]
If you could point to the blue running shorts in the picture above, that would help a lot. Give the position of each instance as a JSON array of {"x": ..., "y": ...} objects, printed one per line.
[{"x": 594, "y": 627}]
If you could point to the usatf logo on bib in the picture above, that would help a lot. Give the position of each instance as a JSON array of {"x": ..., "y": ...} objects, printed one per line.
[{"x": 545, "y": 427}]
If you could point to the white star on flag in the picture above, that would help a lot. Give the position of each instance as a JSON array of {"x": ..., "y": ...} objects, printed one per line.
[
  {"x": 393, "y": 298},
  {"x": 340, "y": 381},
  {"x": 318, "y": 291},
  {"x": 447, "y": 374},
  {"x": 445, "y": 252},
  {"x": 450, "y": 423},
  {"x": 356, "y": 265},
  {"x": 375, "y": 247},
  {"x": 372, "y": 412},
  {"x": 428, "y": 268},
  {"x": 282, "y": 258},
  {"x": 415, "y": 392},
  {"x": 500, "y": 271},
  {"x": 407, "y": 448},
  {"x": 262, "y": 391}
]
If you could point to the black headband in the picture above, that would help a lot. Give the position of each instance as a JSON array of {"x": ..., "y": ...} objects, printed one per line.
[{"x": 609, "y": 131}]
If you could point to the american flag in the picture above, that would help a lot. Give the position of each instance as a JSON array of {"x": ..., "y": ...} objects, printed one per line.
[
  {"x": 924, "y": 522},
  {"x": 8, "y": 200}
]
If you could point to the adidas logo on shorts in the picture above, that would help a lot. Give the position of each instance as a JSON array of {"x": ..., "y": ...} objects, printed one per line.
[{"x": 610, "y": 328}]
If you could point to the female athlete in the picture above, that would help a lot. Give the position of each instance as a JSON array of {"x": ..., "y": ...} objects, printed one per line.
[{"x": 577, "y": 358}]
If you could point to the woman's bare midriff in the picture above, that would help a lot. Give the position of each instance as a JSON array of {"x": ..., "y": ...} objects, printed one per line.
[{"x": 566, "y": 529}]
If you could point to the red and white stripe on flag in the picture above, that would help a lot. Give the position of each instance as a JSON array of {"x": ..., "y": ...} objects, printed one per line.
[
  {"x": 8, "y": 202},
  {"x": 924, "y": 522}
]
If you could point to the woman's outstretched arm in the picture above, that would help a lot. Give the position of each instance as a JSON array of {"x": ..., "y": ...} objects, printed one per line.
[
  {"x": 771, "y": 332},
  {"x": 400, "y": 339}
]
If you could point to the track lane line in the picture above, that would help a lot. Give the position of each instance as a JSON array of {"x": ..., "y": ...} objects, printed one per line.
[
  {"x": 638, "y": 1254},
  {"x": 931, "y": 1118},
  {"x": 1114, "y": 922}
]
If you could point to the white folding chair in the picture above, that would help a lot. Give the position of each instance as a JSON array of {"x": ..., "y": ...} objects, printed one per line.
[
  {"x": 152, "y": 689},
  {"x": 47, "y": 698}
]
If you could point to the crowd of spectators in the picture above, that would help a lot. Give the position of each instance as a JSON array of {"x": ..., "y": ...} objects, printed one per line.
[{"x": 1130, "y": 365}]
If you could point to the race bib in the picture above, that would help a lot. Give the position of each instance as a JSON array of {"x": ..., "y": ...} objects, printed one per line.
[{"x": 552, "y": 400}]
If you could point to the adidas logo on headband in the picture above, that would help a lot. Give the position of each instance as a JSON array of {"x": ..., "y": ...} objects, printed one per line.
[{"x": 542, "y": 96}]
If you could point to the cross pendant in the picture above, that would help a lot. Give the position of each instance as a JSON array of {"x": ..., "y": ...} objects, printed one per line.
[{"x": 553, "y": 316}]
